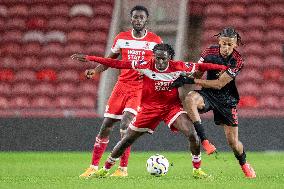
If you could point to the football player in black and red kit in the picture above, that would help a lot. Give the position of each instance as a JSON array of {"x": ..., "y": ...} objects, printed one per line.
[{"x": 219, "y": 93}]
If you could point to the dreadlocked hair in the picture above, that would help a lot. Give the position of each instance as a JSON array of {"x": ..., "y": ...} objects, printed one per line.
[
  {"x": 165, "y": 47},
  {"x": 231, "y": 33}
]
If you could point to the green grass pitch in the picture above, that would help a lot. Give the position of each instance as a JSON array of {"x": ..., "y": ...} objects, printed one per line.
[{"x": 61, "y": 170}]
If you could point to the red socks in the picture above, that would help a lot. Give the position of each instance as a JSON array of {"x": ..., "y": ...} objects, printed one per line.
[
  {"x": 124, "y": 158},
  {"x": 196, "y": 161},
  {"x": 99, "y": 149}
]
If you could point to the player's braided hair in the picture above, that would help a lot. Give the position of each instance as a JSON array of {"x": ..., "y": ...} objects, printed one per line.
[
  {"x": 230, "y": 32},
  {"x": 139, "y": 8},
  {"x": 165, "y": 47}
]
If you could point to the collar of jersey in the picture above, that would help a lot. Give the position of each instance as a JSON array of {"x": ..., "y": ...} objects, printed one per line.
[{"x": 138, "y": 37}]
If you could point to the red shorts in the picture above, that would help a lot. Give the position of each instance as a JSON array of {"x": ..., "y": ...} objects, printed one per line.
[
  {"x": 148, "y": 119},
  {"x": 123, "y": 98}
]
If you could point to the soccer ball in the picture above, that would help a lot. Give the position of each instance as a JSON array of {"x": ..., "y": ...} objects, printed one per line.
[{"x": 157, "y": 165}]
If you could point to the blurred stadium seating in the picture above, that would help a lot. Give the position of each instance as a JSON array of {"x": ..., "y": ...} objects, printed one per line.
[
  {"x": 37, "y": 39},
  {"x": 261, "y": 25}
]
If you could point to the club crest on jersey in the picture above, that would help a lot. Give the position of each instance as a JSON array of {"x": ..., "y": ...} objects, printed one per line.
[
  {"x": 188, "y": 64},
  {"x": 127, "y": 44},
  {"x": 147, "y": 45},
  {"x": 142, "y": 62}
]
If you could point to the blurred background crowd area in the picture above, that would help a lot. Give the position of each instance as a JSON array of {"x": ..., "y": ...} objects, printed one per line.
[{"x": 37, "y": 37}]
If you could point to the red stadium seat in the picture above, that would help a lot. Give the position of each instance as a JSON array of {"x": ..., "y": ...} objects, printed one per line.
[
  {"x": 257, "y": 9},
  {"x": 50, "y": 62},
  {"x": 25, "y": 75},
  {"x": 248, "y": 102},
  {"x": 249, "y": 88},
  {"x": 55, "y": 49},
  {"x": 269, "y": 102},
  {"x": 249, "y": 74},
  {"x": 256, "y": 22},
  {"x": 79, "y": 23},
  {"x": 19, "y": 102},
  {"x": 271, "y": 88},
  {"x": 274, "y": 48},
  {"x": 254, "y": 36},
  {"x": 212, "y": 23},
  {"x": 19, "y": 10},
  {"x": 15, "y": 24},
  {"x": 209, "y": 35},
  {"x": 236, "y": 10},
  {"x": 21, "y": 88},
  {"x": 237, "y": 22},
  {"x": 7, "y": 75},
  {"x": 103, "y": 9},
  {"x": 46, "y": 75},
  {"x": 31, "y": 49},
  {"x": 88, "y": 88},
  {"x": 28, "y": 62},
  {"x": 68, "y": 75},
  {"x": 2, "y": 25},
  {"x": 42, "y": 102},
  {"x": 67, "y": 88},
  {"x": 276, "y": 9},
  {"x": 39, "y": 10},
  {"x": 97, "y": 49},
  {"x": 78, "y": 36},
  {"x": 5, "y": 89},
  {"x": 12, "y": 36},
  {"x": 81, "y": 10},
  {"x": 12, "y": 49},
  {"x": 58, "y": 24},
  {"x": 64, "y": 102},
  {"x": 68, "y": 63},
  {"x": 88, "y": 102},
  {"x": 273, "y": 61},
  {"x": 3, "y": 11},
  {"x": 274, "y": 35},
  {"x": 215, "y": 10},
  {"x": 276, "y": 22},
  {"x": 36, "y": 23},
  {"x": 4, "y": 103},
  {"x": 254, "y": 49},
  {"x": 44, "y": 88},
  {"x": 9, "y": 62},
  {"x": 97, "y": 37},
  {"x": 61, "y": 10},
  {"x": 272, "y": 74},
  {"x": 74, "y": 48},
  {"x": 100, "y": 23}
]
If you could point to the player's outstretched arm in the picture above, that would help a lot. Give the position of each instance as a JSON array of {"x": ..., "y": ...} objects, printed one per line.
[
  {"x": 209, "y": 66},
  {"x": 113, "y": 63}
]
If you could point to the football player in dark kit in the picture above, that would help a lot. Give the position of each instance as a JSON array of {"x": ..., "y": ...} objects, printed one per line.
[{"x": 219, "y": 93}]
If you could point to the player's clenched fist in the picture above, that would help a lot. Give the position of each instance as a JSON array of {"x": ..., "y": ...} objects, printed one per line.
[
  {"x": 80, "y": 57},
  {"x": 89, "y": 73}
]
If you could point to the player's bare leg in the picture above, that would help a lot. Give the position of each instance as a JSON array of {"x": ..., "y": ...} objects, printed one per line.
[
  {"x": 100, "y": 145},
  {"x": 238, "y": 149},
  {"x": 130, "y": 137},
  {"x": 185, "y": 126},
  {"x": 121, "y": 171},
  {"x": 194, "y": 102}
]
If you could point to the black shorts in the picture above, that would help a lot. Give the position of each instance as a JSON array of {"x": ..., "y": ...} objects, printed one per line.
[{"x": 227, "y": 115}]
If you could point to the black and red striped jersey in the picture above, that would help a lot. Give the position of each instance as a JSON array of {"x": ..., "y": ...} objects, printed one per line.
[{"x": 228, "y": 95}]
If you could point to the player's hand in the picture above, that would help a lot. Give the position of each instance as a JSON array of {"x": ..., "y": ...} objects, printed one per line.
[
  {"x": 90, "y": 73},
  {"x": 80, "y": 57},
  {"x": 181, "y": 80}
]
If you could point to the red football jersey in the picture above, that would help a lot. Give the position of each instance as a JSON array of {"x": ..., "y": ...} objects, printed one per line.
[
  {"x": 156, "y": 92},
  {"x": 132, "y": 48}
]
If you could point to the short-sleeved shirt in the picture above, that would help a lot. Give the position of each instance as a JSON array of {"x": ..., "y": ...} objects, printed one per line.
[
  {"x": 228, "y": 95},
  {"x": 132, "y": 48}
]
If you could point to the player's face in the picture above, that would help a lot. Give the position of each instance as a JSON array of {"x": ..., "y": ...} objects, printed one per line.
[
  {"x": 161, "y": 60},
  {"x": 138, "y": 20},
  {"x": 227, "y": 45}
]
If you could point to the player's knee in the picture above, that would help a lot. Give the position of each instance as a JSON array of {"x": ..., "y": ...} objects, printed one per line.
[{"x": 190, "y": 100}]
